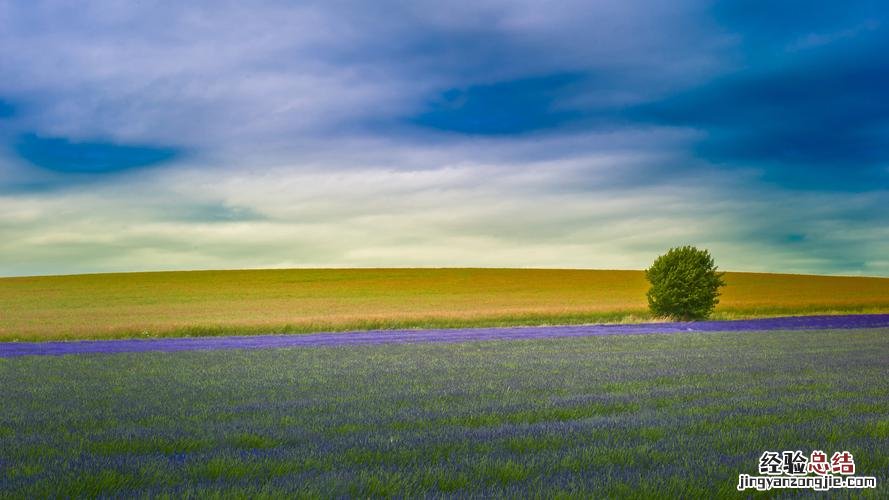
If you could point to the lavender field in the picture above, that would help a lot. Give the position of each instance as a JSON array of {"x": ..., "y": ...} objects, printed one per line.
[
  {"x": 613, "y": 415},
  {"x": 849, "y": 321}
]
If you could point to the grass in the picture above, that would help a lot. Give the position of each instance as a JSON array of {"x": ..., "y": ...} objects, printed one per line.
[
  {"x": 307, "y": 300},
  {"x": 645, "y": 416}
]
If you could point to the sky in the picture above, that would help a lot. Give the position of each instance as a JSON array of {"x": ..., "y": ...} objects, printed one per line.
[{"x": 159, "y": 135}]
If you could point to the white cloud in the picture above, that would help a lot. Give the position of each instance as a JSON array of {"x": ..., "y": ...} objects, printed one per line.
[{"x": 450, "y": 213}]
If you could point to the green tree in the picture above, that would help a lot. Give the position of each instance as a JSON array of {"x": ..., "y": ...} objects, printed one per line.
[{"x": 684, "y": 284}]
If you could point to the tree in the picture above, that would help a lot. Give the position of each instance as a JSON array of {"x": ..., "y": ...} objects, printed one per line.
[{"x": 684, "y": 284}]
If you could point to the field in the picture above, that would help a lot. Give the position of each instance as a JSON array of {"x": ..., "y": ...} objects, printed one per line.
[
  {"x": 294, "y": 301},
  {"x": 676, "y": 415}
]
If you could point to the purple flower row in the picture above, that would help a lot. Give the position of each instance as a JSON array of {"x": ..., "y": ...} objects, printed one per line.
[{"x": 11, "y": 349}]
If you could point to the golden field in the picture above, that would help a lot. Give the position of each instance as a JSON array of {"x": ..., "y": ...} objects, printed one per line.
[{"x": 306, "y": 300}]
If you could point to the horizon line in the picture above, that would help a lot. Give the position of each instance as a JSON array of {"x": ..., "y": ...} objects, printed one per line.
[{"x": 386, "y": 268}]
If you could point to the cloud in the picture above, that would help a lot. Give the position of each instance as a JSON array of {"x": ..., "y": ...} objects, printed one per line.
[
  {"x": 62, "y": 155},
  {"x": 819, "y": 122},
  {"x": 509, "y": 107},
  {"x": 764, "y": 27},
  {"x": 503, "y": 133},
  {"x": 7, "y": 110},
  {"x": 450, "y": 213},
  {"x": 275, "y": 75}
]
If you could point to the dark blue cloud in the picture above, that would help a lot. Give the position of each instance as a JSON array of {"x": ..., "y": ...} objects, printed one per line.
[
  {"x": 508, "y": 107},
  {"x": 66, "y": 156},
  {"x": 6, "y": 109},
  {"x": 807, "y": 107},
  {"x": 818, "y": 119},
  {"x": 766, "y": 25}
]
